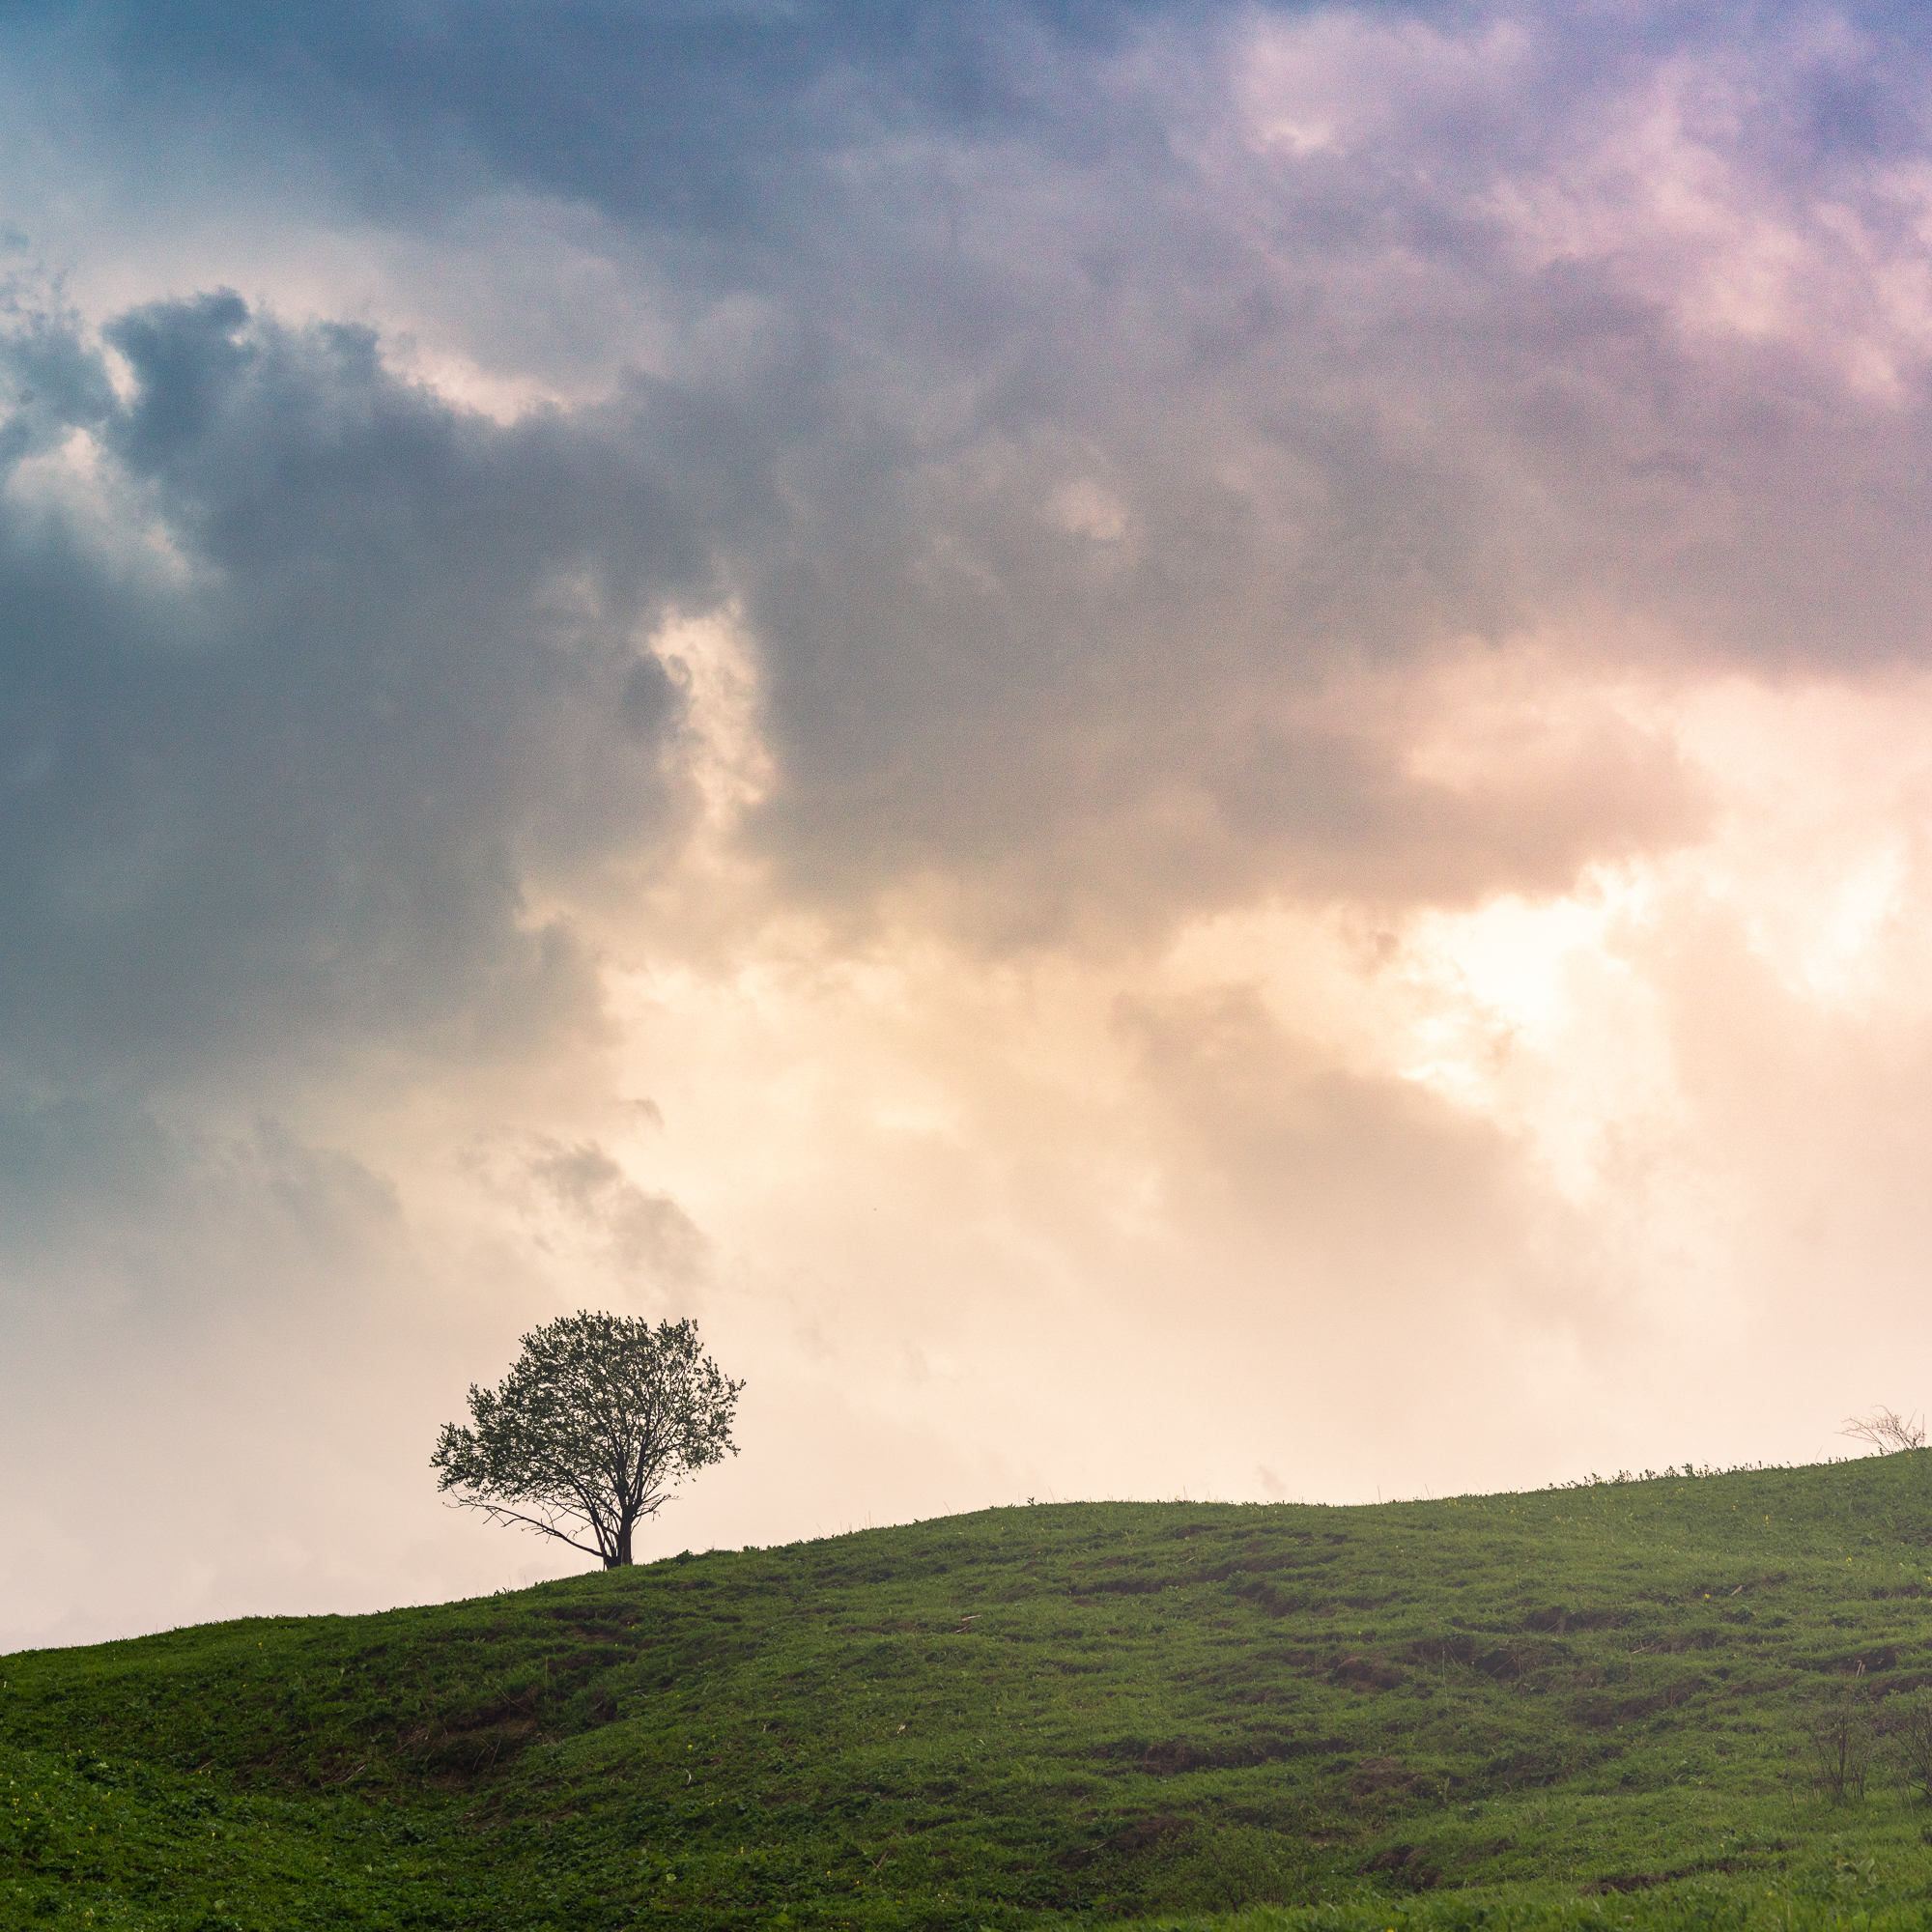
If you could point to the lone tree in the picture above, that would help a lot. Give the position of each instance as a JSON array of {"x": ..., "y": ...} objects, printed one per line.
[{"x": 598, "y": 1420}]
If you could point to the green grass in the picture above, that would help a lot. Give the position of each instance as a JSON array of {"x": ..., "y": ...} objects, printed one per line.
[{"x": 1581, "y": 1706}]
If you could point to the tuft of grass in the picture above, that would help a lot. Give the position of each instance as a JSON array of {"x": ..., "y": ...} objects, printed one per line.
[{"x": 1597, "y": 1705}]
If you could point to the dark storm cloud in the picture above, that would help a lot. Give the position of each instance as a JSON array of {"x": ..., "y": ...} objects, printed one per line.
[
  {"x": 1104, "y": 430},
  {"x": 1090, "y": 435},
  {"x": 1336, "y": 463},
  {"x": 684, "y": 118},
  {"x": 287, "y": 775}
]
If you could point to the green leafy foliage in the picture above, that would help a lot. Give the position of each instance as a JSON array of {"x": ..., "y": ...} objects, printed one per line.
[
  {"x": 1589, "y": 1706},
  {"x": 598, "y": 1420}
]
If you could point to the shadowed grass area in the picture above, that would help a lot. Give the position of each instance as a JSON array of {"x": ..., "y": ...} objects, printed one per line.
[{"x": 1591, "y": 1705}]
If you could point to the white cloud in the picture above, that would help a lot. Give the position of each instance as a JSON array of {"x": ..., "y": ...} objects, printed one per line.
[{"x": 1225, "y": 742}]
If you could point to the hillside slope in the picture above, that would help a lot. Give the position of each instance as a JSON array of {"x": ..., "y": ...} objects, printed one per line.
[{"x": 1089, "y": 1710}]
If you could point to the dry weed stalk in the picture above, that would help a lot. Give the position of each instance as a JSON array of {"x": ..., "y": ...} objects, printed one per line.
[{"x": 1886, "y": 1430}]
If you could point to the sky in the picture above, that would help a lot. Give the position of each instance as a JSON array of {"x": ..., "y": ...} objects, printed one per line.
[{"x": 1176, "y": 749}]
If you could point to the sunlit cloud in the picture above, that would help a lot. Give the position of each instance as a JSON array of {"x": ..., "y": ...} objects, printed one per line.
[{"x": 1179, "y": 753}]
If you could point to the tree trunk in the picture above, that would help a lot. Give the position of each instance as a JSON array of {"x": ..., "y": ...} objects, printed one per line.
[{"x": 622, "y": 1555}]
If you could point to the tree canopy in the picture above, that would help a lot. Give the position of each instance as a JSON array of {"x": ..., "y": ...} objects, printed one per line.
[{"x": 598, "y": 1420}]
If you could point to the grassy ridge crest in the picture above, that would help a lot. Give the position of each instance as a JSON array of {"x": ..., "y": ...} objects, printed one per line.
[{"x": 1587, "y": 1705}]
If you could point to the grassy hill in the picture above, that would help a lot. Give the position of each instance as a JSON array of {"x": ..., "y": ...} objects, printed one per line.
[{"x": 1592, "y": 1705}]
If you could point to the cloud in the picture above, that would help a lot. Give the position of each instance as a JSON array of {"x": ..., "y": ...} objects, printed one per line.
[
  {"x": 1446, "y": 372},
  {"x": 301, "y": 790},
  {"x": 646, "y": 1238},
  {"x": 1223, "y": 702}
]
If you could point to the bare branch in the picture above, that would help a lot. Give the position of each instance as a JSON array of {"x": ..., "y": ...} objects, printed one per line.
[
  {"x": 1886, "y": 1430},
  {"x": 497, "y": 1513}
]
